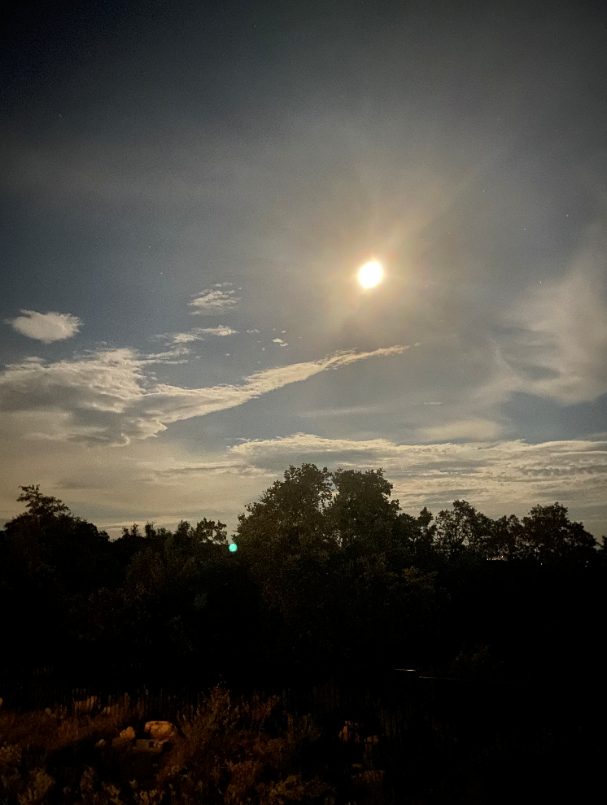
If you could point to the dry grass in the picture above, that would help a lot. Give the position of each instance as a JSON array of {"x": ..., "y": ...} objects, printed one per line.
[{"x": 221, "y": 754}]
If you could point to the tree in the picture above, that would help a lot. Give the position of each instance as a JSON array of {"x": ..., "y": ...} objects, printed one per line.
[
  {"x": 48, "y": 538},
  {"x": 40, "y": 505},
  {"x": 206, "y": 532},
  {"x": 289, "y": 520},
  {"x": 329, "y": 551},
  {"x": 361, "y": 512},
  {"x": 462, "y": 528},
  {"x": 549, "y": 536},
  {"x": 51, "y": 561},
  {"x": 504, "y": 541}
]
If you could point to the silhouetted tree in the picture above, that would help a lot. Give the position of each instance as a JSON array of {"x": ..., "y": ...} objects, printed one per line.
[
  {"x": 505, "y": 538},
  {"x": 462, "y": 528},
  {"x": 51, "y": 562},
  {"x": 548, "y": 535},
  {"x": 39, "y": 505},
  {"x": 330, "y": 552},
  {"x": 361, "y": 511},
  {"x": 328, "y": 570}
]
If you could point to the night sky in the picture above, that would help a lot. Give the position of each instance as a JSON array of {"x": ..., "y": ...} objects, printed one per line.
[{"x": 188, "y": 190}]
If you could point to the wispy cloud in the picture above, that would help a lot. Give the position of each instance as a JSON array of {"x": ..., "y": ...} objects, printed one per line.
[
  {"x": 353, "y": 410},
  {"x": 554, "y": 341},
  {"x": 501, "y": 473},
  {"x": 214, "y": 301},
  {"x": 107, "y": 397},
  {"x": 280, "y": 342},
  {"x": 196, "y": 334},
  {"x": 46, "y": 327},
  {"x": 217, "y": 331},
  {"x": 189, "y": 469},
  {"x": 474, "y": 429}
]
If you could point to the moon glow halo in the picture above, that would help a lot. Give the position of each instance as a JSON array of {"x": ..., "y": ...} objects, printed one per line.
[{"x": 370, "y": 274}]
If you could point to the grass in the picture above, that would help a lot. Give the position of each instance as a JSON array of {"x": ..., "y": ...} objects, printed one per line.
[
  {"x": 249, "y": 751},
  {"x": 224, "y": 752}
]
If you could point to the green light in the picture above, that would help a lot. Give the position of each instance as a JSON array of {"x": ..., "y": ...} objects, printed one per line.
[{"x": 233, "y": 547}]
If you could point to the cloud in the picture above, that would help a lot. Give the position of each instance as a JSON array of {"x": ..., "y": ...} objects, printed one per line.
[
  {"x": 280, "y": 341},
  {"x": 46, "y": 327},
  {"x": 554, "y": 341},
  {"x": 197, "y": 334},
  {"x": 160, "y": 480},
  {"x": 108, "y": 398},
  {"x": 475, "y": 429},
  {"x": 114, "y": 487},
  {"x": 353, "y": 410},
  {"x": 500, "y": 473},
  {"x": 192, "y": 469},
  {"x": 217, "y": 331},
  {"x": 213, "y": 302}
]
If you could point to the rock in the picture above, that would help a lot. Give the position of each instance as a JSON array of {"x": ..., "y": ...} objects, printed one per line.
[
  {"x": 127, "y": 736},
  {"x": 48, "y": 711},
  {"x": 160, "y": 730},
  {"x": 100, "y": 743},
  {"x": 148, "y": 745}
]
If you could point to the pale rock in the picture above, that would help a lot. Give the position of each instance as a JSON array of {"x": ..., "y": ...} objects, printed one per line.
[
  {"x": 160, "y": 730},
  {"x": 127, "y": 736}
]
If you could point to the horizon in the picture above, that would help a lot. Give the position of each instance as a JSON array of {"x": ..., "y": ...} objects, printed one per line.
[
  {"x": 117, "y": 530},
  {"x": 190, "y": 195}
]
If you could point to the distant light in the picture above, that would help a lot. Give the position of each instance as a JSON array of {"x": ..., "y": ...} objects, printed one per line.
[
  {"x": 233, "y": 547},
  {"x": 370, "y": 274}
]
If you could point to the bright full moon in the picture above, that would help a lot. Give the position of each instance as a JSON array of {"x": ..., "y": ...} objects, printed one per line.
[{"x": 370, "y": 274}]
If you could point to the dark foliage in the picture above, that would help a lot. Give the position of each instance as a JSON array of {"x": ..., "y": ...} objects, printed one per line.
[{"x": 329, "y": 572}]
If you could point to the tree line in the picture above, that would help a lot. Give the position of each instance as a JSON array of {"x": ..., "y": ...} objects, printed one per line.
[{"x": 329, "y": 572}]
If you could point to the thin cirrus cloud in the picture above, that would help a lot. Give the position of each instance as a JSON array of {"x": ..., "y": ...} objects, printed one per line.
[
  {"x": 214, "y": 301},
  {"x": 46, "y": 327},
  {"x": 473, "y": 429},
  {"x": 197, "y": 334},
  {"x": 553, "y": 342},
  {"x": 107, "y": 397},
  {"x": 511, "y": 472}
]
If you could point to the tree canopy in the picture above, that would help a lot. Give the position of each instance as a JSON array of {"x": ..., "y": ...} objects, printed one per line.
[{"x": 329, "y": 570}]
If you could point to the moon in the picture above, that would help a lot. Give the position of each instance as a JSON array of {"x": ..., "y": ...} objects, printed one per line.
[{"x": 370, "y": 274}]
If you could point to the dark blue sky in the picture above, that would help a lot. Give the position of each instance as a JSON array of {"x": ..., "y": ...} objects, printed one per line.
[{"x": 188, "y": 191}]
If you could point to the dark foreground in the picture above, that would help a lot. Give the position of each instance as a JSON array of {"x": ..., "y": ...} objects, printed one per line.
[{"x": 382, "y": 738}]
